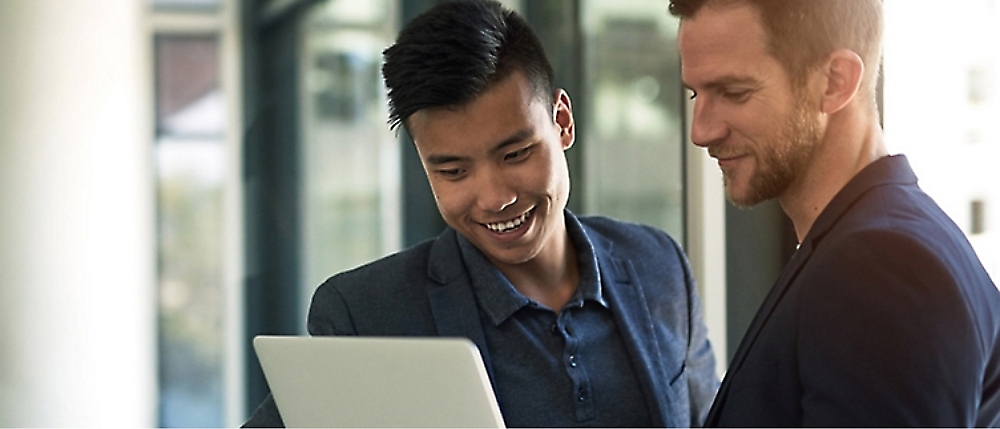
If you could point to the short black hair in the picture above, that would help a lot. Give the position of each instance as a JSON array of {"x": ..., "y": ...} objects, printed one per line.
[{"x": 455, "y": 51}]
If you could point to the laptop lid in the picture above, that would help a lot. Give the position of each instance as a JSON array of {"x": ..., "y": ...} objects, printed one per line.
[{"x": 378, "y": 382}]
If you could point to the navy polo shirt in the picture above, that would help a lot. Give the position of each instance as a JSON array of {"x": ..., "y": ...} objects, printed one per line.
[{"x": 556, "y": 369}]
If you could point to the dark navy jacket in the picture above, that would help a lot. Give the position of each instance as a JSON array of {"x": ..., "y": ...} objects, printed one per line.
[
  {"x": 426, "y": 291},
  {"x": 884, "y": 317}
]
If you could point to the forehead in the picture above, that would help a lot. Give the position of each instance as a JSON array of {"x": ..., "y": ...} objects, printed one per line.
[
  {"x": 508, "y": 107},
  {"x": 723, "y": 41}
]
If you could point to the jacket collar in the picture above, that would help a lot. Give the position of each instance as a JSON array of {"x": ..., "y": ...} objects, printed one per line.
[
  {"x": 452, "y": 301},
  {"x": 889, "y": 170},
  {"x": 444, "y": 263}
]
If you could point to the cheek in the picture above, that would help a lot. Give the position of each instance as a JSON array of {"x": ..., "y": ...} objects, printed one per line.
[
  {"x": 751, "y": 130},
  {"x": 759, "y": 136},
  {"x": 554, "y": 175},
  {"x": 538, "y": 173},
  {"x": 561, "y": 177},
  {"x": 448, "y": 198}
]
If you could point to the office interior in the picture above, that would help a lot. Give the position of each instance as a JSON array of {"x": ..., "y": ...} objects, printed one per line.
[{"x": 177, "y": 176}]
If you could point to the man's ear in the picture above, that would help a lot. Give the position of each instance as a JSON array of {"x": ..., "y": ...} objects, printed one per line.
[
  {"x": 843, "y": 71},
  {"x": 563, "y": 117}
]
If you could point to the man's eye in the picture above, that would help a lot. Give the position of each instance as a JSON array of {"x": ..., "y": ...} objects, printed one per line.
[
  {"x": 692, "y": 94},
  {"x": 517, "y": 154},
  {"x": 736, "y": 95},
  {"x": 451, "y": 173}
]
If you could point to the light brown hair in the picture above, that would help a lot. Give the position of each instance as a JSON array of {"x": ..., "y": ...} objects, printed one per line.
[{"x": 802, "y": 33}]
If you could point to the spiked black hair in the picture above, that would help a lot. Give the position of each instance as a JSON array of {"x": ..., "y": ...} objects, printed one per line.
[{"x": 456, "y": 51}]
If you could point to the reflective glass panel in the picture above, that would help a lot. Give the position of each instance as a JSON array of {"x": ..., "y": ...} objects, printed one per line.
[
  {"x": 633, "y": 155},
  {"x": 186, "y": 5},
  {"x": 351, "y": 167},
  {"x": 190, "y": 169}
]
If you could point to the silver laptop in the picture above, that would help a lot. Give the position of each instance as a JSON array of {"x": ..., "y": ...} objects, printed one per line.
[{"x": 378, "y": 382}]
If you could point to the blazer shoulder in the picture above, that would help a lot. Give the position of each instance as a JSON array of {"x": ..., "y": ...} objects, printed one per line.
[
  {"x": 902, "y": 209},
  {"x": 385, "y": 297},
  {"x": 628, "y": 237},
  {"x": 899, "y": 225},
  {"x": 926, "y": 272}
]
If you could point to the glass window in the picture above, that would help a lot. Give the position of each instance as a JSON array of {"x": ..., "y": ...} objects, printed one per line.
[
  {"x": 941, "y": 104},
  {"x": 350, "y": 158},
  {"x": 190, "y": 170},
  {"x": 632, "y": 139},
  {"x": 186, "y": 5}
]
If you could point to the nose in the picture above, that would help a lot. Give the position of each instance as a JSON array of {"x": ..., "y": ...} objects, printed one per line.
[
  {"x": 495, "y": 192},
  {"x": 706, "y": 125}
]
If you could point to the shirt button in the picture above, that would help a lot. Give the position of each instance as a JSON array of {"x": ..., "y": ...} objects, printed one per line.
[
  {"x": 581, "y": 395},
  {"x": 572, "y": 361},
  {"x": 555, "y": 330}
]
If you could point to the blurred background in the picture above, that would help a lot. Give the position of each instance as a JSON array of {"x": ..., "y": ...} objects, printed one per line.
[{"x": 177, "y": 176}]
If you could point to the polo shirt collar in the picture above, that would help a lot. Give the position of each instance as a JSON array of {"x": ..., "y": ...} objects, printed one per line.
[{"x": 498, "y": 298}]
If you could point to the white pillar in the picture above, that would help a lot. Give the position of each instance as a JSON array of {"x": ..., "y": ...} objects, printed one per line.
[
  {"x": 706, "y": 242},
  {"x": 77, "y": 226}
]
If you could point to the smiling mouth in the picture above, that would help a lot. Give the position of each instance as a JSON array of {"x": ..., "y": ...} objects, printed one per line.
[
  {"x": 510, "y": 225},
  {"x": 728, "y": 159},
  {"x": 724, "y": 156}
]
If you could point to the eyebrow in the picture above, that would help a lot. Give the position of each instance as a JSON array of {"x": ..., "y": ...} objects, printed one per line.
[
  {"x": 726, "y": 81},
  {"x": 515, "y": 138}
]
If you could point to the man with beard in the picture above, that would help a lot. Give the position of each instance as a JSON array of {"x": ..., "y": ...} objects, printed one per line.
[{"x": 884, "y": 316}]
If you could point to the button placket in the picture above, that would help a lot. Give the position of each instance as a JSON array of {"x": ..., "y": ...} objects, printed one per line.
[{"x": 574, "y": 368}]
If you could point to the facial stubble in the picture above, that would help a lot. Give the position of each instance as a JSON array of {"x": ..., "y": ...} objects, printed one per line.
[{"x": 782, "y": 162}]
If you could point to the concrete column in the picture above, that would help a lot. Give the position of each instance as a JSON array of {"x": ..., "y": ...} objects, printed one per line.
[{"x": 77, "y": 255}]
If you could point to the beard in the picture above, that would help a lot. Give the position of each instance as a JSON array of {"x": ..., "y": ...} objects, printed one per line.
[{"x": 782, "y": 160}]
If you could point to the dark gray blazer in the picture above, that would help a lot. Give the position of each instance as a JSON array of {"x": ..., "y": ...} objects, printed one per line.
[
  {"x": 426, "y": 291},
  {"x": 884, "y": 317}
]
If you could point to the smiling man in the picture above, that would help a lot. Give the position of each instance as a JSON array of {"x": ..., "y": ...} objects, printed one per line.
[
  {"x": 884, "y": 317},
  {"x": 581, "y": 321}
]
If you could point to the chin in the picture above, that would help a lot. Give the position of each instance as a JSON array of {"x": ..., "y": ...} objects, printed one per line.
[{"x": 742, "y": 198}]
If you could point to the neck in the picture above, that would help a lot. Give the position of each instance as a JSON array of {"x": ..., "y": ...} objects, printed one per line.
[
  {"x": 851, "y": 141},
  {"x": 551, "y": 277}
]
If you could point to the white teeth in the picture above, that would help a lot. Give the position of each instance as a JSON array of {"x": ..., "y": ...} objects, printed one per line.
[{"x": 502, "y": 227}]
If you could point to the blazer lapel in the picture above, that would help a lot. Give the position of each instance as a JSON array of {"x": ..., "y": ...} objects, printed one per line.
[
  {"x": 753, "y": 331},
  {"x": 635, "y": 323},
  {"x": 453, "y": 303},
  {"x": 767, "y": 308}
]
